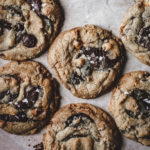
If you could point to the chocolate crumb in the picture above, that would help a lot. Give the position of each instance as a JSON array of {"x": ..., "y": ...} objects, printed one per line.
[{"x": 39, "y": 146}]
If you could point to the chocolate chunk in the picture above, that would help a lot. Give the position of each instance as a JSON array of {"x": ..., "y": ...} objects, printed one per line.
[
  {"x": 19, "y": 117},
  {"x": 75, "y": 79},
  {"x": 144, "y": 37},
  {"x": 98, "y": 57},
  {"x": 36, "y": 5},
  {"x": 48, "y": 25},
  {"x": 143, "y": 101},
  {"x": 131, "y": 114},
  {"x": 19, "y": 27},
  {"x": 18, "y": 37},
  {"x": 11, "y": 96},
  {"x": 79, "y": 55},
  {"x": 31, "y": 97},
  {"x": 15, "y": 10},
  {"x": 33, "y": 94},
  {"x": 25, "y": 104},
  {"x": 146, "y": 137},
  {"x": 2, "y": 94},
  {"x": 74, "y": 136},
  {"x": 1, "y": 30},
  {"x": 29, "y": 40},
  {"x": 5, "y": 24},
  {"x": 142, "y": 97},
  {"x": 77, "y": 116}
]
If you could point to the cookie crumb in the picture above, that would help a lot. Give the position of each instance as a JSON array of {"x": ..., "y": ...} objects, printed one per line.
[{"x": 39, "y": 146}]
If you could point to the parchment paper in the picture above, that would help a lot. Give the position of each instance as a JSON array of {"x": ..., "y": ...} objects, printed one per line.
[{"x": 105, "y": 13}]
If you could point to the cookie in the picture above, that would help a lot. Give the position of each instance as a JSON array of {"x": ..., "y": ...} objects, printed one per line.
[
  {"x": 130, "y": 106},
  {"x": 86, "y": 60},
  {"x": 28, "y": 97},
  {"x": 81, "y": 127},
  {"x": 135, "y": 30},
  {"x": 27, "y": 27}
]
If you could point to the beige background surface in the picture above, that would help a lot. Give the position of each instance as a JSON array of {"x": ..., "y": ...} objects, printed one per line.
[{"x": 105, "y": 13}]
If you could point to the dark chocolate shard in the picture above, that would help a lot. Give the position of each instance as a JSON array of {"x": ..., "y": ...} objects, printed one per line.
[
  {"x": 31, "y": 97},
  {"x": 142, "y": 98},
  {"x": 29, "y": 40},
  {"x": 131, "y": 114},
  {"x": 77, "y": 116},
  {"x": 19, "y": 117},
  {"x": 19, "y": 27},
  {"x": 144, "y": 37},
  {"x": 75, "y": 79},
  {"x": 36, "y": 5},
  {"x": 74, "y": 136},
  {"x": 98, "y": 57},
  {"x": 5, "y": 24}
]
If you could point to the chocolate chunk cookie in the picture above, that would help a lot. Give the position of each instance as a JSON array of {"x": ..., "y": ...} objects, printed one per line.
[
  {"x": 27, "y": 27},
  {"x": 135, "y": 30},
  {"x": 86, "y": 60},
  {"x": 28, "y": 94},
  {"x": 81, "y": 127},
  {"x": 130, "y": 106}
]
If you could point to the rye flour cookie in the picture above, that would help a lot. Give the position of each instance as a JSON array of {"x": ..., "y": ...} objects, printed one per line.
[
  {"x": 28, "y": 94},
  {"x": 130, "y": 106},
  {"x": 81, "y": 127},
  {"x": 27, "y": 27},
  {"x": 86, "y": 60},
  {"x": 135, "y": 30}
]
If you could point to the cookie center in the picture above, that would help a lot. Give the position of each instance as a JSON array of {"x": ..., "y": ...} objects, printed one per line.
[{"x": 93, "y": 59}]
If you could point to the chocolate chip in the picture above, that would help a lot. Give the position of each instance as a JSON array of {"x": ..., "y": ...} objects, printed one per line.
[
  {"x": 142, "y": 98},
  {"x": 14, "y": 10},
  {"x": 36, "y": 5},
  {"x": 29, "y": 40},
  {"x": 33, "y": 94},
  {"x": 31, "y": 97},
  {"x": 75, "y": 79},
  {"x": 77, "y": 116},
  {"x": 98, "y": 57},
  {"x": 146, "y": 137},
  {"x": 144, "y": 37},
  {"x": 19, "y": 117},
  {"x": 48, "y": 25},
  {"x": 5, "y": 24},
  {"x": 19, "y": 27},
  {"x": 2, "y": 94},
  {"x": 74, "y": 136},
  {"x": 18, "y": 37},
  {"x": 11, "y": 96},
  {"x": 1, "y": 30},
  {"x": 131, "y": 114},
  {"x": 24, "y": 104}
]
